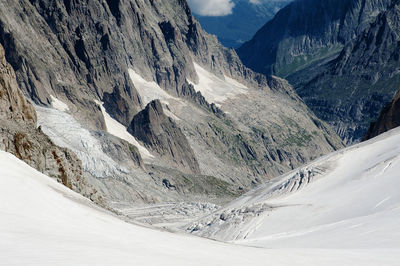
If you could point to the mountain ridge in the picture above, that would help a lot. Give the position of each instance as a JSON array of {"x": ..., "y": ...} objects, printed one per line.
[
  {"x": 299, "y": 33},
  {"x": 350, "y": 92},
  {"x": 91, "y": 68}
]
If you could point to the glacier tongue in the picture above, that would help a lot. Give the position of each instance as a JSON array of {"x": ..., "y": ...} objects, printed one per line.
[{"x": 65, "y": 131}]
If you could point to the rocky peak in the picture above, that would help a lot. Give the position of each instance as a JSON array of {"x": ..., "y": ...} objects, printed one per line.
[{"x": 163, "y": 136}]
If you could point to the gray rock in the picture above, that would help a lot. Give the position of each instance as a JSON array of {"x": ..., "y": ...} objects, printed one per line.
[
  {"x": 163, "y": 136},
  {"x": 19, "y": 136}
]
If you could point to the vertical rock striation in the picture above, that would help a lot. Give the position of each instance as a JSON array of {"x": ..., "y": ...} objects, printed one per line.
[
  {"x": 306, "y": 31},
  {"x": 19, "y": 136},
  {"x": 163, "y": 136}
]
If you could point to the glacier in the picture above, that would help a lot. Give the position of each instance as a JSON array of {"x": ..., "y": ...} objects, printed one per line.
[
  {"x": 346, "y": 200},
  {"x": 44, "y": 223}
]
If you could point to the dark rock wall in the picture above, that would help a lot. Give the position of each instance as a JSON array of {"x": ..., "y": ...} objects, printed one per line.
[
  {"x": 307, "y": 29},
  {"x": 353, "y": 89},
  {"x": 389, "y": 118}
]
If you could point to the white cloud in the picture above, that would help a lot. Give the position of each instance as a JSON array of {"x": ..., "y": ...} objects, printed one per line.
[
  {"x": 257, "y": 2},
  {"x": 212, "y": 7}
]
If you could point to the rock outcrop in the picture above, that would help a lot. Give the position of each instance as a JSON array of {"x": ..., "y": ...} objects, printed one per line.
[
  {"x": 389, "y": 118},
  {"x": 19, "y": 136},
  {"x": 163, "y": 136},
  {"x": 341, "y": 56}
]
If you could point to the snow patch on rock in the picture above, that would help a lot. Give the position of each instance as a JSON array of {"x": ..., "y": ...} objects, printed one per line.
[
  {"x": 148, "y": 90},
  {"x": 214, "y": 89},
  {"x": 58, "y": 104},
  {"x": 117, "y": 129}
]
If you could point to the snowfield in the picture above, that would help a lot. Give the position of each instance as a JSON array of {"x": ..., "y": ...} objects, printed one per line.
[
  {"x": 347, "y": 200},
  {"x": 44, "y": 223}
]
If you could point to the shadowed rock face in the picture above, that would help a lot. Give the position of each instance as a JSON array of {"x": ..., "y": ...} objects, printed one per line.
[
  {"x": 388, "y": 119},
  {"x": 13, "y": 105},
  {"x": 355, "y": 86},
  {"x": 307, "y": 30},
  {"x": 19, "y": 136},
  {"x": 162, "y": 135},
  {"x": 341, "y": 56}
]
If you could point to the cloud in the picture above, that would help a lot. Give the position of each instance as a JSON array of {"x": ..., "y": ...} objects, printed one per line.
[{"x": 212, "y": 7}]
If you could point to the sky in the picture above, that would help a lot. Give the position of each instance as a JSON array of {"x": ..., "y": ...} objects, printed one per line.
[{"x": 214, "y": 7}]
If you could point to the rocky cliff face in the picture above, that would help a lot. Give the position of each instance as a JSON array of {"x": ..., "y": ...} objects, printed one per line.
[
  {"x": 19, "y": 136},
  {"x": 353, "y": 89},
  {"x": 162, "y": 135},
  {"x": 343, "y": 61},
  {"x": 306, "y": 32},
  {"x": 94, "y": 66},
  {"x": 389, "y": 118},
  {"x": 86, "y": 49}
]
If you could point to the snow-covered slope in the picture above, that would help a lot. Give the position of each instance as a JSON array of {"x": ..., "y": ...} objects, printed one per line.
[
  {"x": 347, "y": 200},
  {"x": 44, "y": 223}
]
